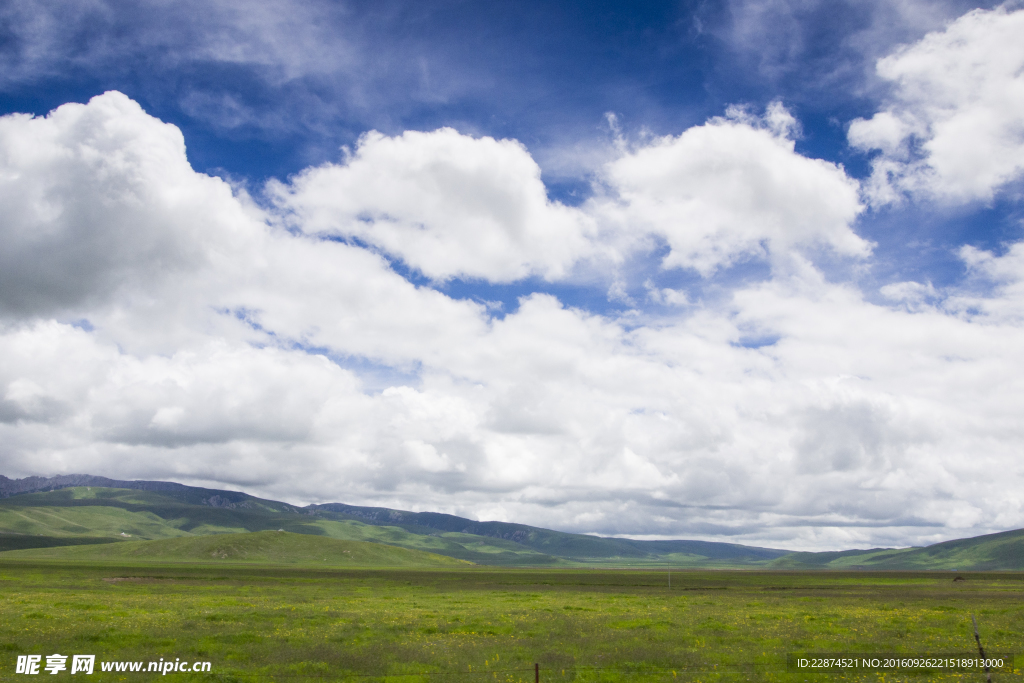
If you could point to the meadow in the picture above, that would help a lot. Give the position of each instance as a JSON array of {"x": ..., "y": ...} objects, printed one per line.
[{"x": 296, "y": 624}]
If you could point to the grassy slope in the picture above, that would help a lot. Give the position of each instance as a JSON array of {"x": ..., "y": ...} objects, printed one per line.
[
  {"x": 97, "y": 513},
  {"x": 580, "y": 547},
  {"x": 109, "y": 513},
  {"x": 22, "y": 542},
  {"x": 1002, "y": 551},
  {"x": 273, "y": 547},
  {"x": 180, "y": 510},
  {"x": 104, "y": 521},
  {"x": 463, "y": 546},
  {"x": 993, "y": 551}
]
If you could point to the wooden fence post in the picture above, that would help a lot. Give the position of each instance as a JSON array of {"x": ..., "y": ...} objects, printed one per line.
[
  {"x": 981, "y": 650},
  {"x": 536, "y": 672}
]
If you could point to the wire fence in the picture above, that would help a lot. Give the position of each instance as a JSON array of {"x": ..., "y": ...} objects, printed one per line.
[
  {"x": 588, "y": 675},
  {"x": 534, "y": 674},
  {"x": 596, "y": 674},
  {"x": 537, "y": 673}
]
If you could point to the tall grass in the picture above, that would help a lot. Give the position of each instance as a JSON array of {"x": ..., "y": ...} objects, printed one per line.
[{"x": 269, "y": 624}]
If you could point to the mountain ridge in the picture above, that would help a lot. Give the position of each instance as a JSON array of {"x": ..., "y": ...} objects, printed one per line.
[
  {"x": 545, "y": 542},
  {"x": 39, "y": 512}
]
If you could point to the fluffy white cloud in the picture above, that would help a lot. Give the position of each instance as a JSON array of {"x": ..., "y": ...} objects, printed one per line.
[
  {"x": 953, "y": 128},
  {"x": 108, "y": 221},
  {"x": 99, "y": 198},
  {"x": 733, "y": 188},
  {"x": 448, "y": 205},
  {"x": 228, "y": 351}
]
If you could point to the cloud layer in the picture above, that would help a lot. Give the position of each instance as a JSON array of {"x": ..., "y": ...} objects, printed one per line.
[
  {"x": 953, "y": 129},
  {"x": 304, "y": 343},
  {"x": 446, "y": 204},
  {"x": 734, "y": 188}
]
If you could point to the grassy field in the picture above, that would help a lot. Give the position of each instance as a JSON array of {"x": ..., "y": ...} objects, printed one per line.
[
  {"x": 274, "y": 623},
  {"x": 262, "y": 547}
]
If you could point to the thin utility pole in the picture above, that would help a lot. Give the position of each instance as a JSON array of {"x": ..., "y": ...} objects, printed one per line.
[{"x": 981, "y": 650}]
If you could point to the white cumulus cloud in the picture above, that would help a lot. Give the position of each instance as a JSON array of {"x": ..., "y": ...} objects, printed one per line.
[
  {"x": 98, "y": 199},
  {"x": 172, "y": 329},
  {"x": 448, "y": 205},
  {"x": 953, "y": 128},
  {"x": 730, "y": 189}
]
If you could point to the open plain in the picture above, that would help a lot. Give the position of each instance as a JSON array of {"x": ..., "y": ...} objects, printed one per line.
[{"x": 260, "y": 622}]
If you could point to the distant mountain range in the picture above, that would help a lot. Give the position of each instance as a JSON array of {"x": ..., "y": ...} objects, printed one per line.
[{"x": 80, "y": 509}]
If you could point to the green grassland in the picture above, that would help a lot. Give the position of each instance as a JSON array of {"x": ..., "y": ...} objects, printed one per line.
[
  {"x": 575, "y": 548},
  {"x": 260, "y": 547},
  {"x": 983, "y": 553},
  {"x": 95, "y": 515},
  {"x": 62, "y": 517},
  {"x": 206, "y": 575},
  {"x": 54, "y": 518},
  {"x": 297, "y": 624}
]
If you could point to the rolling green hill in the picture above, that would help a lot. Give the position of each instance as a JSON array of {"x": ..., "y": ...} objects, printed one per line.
[
  {"x": 263, "y": 547},
  {"x": 96, "y": 515},
  {"x": 579, "y": 547},
  {"x": 1002, "y": 551},
  {"x": 163, "y": 510},
  {"x": 68, "y": 510}
]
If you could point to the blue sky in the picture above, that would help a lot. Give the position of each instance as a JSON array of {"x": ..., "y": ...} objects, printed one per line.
[
  {"x": 545, "y": 74},
  {"x": 606, "y": 267}
]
